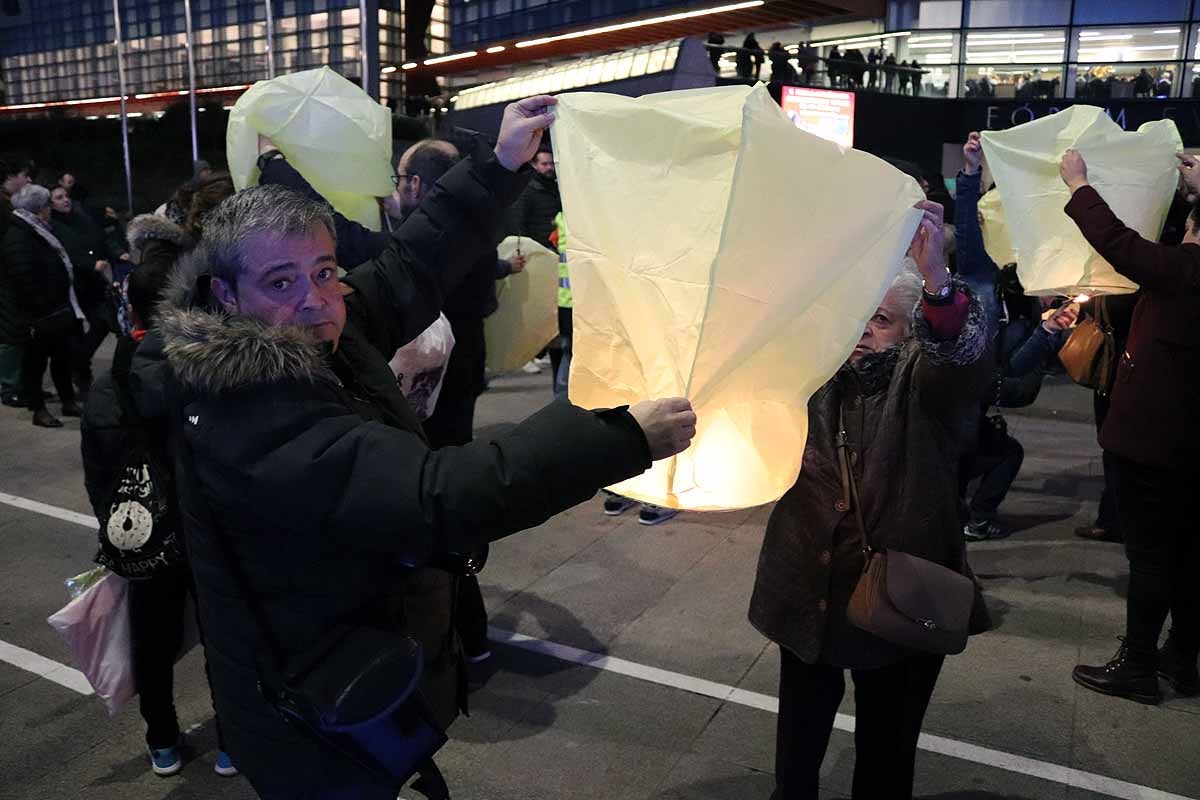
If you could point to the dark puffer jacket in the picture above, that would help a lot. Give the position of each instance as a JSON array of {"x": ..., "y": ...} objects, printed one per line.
[
  {"x": 314, "y": 468},
  {"x": 36, "y": 273},
  {"x": 534, "y": 212},
  {"x": 908, "y": 411}
]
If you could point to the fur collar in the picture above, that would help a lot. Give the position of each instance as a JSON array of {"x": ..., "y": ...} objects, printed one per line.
[
  {"x": 145, "y": 227},
  {"x": 211, "y": 351},
  {"x": 874, "y": 370}
]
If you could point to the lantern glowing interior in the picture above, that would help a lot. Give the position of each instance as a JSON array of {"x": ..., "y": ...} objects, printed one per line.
[
  {"x": 527, "y": 319},
  {"x": 1134, "y": 173},
  {"x": 331, "y": 131},
  {"x": 719, "y": 253}
]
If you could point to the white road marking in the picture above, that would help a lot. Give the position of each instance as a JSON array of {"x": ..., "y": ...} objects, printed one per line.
[
  {"x": 44, "y": 667},
  {"x": 1010, "y": 762}
]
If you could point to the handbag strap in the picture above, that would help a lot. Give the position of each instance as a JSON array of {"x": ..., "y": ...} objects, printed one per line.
[{"x": 849, "y": 482}]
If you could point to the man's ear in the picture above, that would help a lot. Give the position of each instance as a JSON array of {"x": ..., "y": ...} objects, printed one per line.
[{"x": 224, "y": 293}]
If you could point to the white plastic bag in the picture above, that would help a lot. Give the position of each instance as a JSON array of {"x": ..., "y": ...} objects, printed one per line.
[
  {"x": 1134, "y": 172},
  {"x": 331, "y": 131},
  {"x": 95, "y": 626},
  {"x": 528, "y": 314},
  {"x": 420, "y": 366},
  {"x": 719, "y": 253}
]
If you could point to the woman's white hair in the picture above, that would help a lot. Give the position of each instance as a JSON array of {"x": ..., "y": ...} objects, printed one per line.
[
  {"x": 905, "y": 291},
  {"x": 31, "y": 198}
]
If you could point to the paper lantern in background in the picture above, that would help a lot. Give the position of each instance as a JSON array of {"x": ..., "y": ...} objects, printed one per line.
[
  {"x": 1134, "y": 172},
  {"x": 720, "y": 253},
  {"x": 994, "y": 225},
  {"x": 527, "y": 319},
  {"x": 331, "y": 131}
]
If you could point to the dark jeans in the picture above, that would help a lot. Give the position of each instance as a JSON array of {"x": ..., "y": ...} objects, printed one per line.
[
  {"x": 470, "y": 616},
  {"x": 1107, "y": 517},
  {"x": 156, "y": 609},
  {"x": 451, "y": 424},
  {"x": 1163, "y": 547},
  {"x": 998, "y": 468},
  {"x": 59, "y": 351},
  {"x": 890, "y": 705}
]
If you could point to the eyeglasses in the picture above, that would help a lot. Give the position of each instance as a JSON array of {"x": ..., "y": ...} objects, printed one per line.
[{"x": 399, "y": 176}]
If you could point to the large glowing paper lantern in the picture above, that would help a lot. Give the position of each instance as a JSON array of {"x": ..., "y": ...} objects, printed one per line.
[
  {"x": 719, "y": 253},
  {"x": 331, "y": 131},
  {"x": 1134, "y": 172},
  {"x": 527, "y": 319}
]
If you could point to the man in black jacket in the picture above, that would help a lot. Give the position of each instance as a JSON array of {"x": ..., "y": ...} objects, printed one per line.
[
  {"x": 299, "y": 461},
  {"x": 534, "y": 212}
]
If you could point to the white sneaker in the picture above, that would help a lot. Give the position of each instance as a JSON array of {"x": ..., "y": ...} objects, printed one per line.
[{"x": 531, "y": 368}]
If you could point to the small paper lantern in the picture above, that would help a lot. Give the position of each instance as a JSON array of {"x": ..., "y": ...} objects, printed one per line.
[
  {"x": 994, "y": 225},
  {"x": 1134, "y": 173},
  {"x": 719, "y": 253},
  {"x": 331, "y": 131},
  {"x": 527, "y": 319}
]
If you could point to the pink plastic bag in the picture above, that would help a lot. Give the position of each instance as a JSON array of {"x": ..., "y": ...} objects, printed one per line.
[{"x": 95, "y": 626}]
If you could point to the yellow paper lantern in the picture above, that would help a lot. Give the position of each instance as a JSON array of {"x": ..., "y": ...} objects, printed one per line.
[
  {"x": 527, "y": 319},
  {"x": 994, "y": 225},
  {"x": 1134, "y": 172},
  {"x": 331, "y": 131},
  {"x": 719, "y": 253}
]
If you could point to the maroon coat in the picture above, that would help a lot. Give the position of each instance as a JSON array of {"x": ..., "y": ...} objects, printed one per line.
[{"x": 1154, "y": 418}]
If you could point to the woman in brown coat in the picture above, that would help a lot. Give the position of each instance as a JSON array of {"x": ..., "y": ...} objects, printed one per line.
[{"x": 909, "y": 396}]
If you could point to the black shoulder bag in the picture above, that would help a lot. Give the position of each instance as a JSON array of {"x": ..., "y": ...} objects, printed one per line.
[
  {"x": 354, "y": 692},
  {"x": 139, "y": 529}
]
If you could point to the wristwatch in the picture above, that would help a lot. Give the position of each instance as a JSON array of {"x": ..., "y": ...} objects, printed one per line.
[
  {"x": 941, "y": 297},
  {"x": 267, "y": 157}
]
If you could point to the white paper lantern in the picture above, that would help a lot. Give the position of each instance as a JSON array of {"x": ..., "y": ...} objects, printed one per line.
[
  {"x": 1134, "y": 173},
  {"x": 719, "y": 253}
]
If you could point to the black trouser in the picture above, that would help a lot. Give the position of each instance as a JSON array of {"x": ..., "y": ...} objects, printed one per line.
[
  {"x": 1162, "y": 543},
  {"x": 60, "y": 352},
  {"x": 451, "y": 424},
  {"x": 453, "y": 419},
  {"x": 156, "y": 609},
  {"x": 1107, "y": 516},
  {"x": 890, "y": 704},
  {"x": 998, "y": 467},
  {"x": 87, "y": 345}
]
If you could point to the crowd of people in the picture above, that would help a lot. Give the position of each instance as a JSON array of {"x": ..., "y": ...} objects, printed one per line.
[
  {"x": 328, "y": 528},
  {"x": 852, "y": 68}
]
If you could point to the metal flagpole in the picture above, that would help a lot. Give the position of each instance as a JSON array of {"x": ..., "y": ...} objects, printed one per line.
[
  {"x": 270, "y": 40},
  {"x": 187, "y": 11},
  {"x": 124, "y": 115},
  {"x": 364, "y": 51}
]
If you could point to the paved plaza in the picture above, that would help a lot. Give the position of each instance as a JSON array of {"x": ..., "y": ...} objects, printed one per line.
[{"x": 627, "y": 669}]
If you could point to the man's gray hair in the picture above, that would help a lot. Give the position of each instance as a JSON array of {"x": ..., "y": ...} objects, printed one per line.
[
  {"x": 259, "y": 210},
  {"x": 31, "y": 198}
]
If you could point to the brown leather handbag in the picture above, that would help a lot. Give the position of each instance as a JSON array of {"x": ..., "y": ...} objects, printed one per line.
[
  {"x": 1090, "y": 353},
  {"x": 903, "y": 599}
]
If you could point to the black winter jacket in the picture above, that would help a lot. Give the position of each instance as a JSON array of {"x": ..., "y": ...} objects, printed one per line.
[
  {"x": 14, "y": 327},
  {"x": 534, "y": 212},
  {"x": 35, "y": 272},
  {"x": 314, "y": 468}
]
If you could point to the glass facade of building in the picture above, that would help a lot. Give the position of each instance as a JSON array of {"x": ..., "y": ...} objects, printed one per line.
[
  {"x": 475, "y": 21},
  {"x": 66, "y": 50},
  {"x": 1029, "y": 49}
]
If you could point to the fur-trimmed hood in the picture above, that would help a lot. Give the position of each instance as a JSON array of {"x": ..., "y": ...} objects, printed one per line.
[
  {"x": 212, "y": 351},
  {"x": 145, "y": 227}
]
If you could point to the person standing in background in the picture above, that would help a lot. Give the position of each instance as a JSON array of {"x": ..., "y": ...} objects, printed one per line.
[{"x": 14, "y": 329}]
